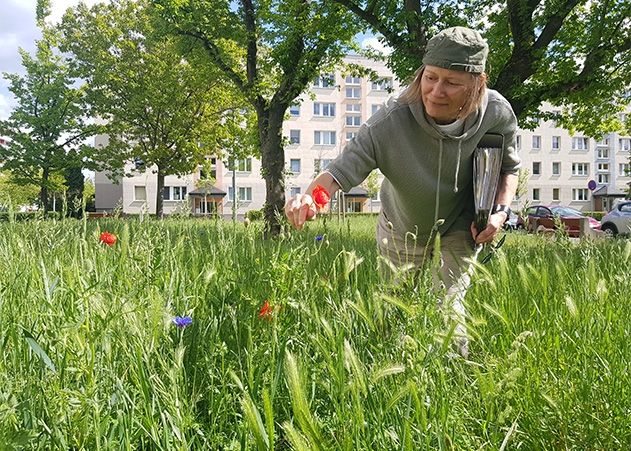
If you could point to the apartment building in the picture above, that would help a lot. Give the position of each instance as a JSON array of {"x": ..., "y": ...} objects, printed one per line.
[{"x": 320, "y": 123}]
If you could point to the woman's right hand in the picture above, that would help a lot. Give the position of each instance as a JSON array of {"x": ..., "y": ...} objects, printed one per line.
[{"x": 299, "y": 209}]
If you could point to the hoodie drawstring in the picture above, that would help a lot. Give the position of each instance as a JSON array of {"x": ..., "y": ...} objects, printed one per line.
[
  {"x": 440, "y": 163},
  {"x": 457, "y": 164}
]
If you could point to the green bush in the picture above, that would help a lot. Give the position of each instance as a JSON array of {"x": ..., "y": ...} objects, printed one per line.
[{"x": 254, "y": 215}]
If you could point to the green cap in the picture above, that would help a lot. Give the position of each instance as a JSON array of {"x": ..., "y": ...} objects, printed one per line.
[{"x": 457, "y": 48}]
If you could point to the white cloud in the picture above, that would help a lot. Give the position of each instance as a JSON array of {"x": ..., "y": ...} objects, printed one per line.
[
  {"x": 5, "y": 107},
  {"x": 373, "y": 42}
]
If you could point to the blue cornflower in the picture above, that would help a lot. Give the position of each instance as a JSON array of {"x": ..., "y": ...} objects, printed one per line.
[
  {"x": 319, "y": 237},
  {"x": 182, "y": 321}
]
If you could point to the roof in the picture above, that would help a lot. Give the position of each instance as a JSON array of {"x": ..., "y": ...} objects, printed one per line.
[
  {"x": 357, "y": 191},
  {"x": 213, "y": 191},
  {"x": 604, "y": 191}
]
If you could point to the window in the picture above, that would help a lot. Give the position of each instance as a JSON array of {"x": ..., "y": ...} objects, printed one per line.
[
  {"x": 294, "y": 110},
  {"x": 324, "y": 81},
  {"x": 294, "y": 165},
  {"x": 536, "y": 142},
  {"x": 579, "y": 193},
  {"x": 351, "y": 80},
  {"x": 603, "y": 142},
  {"x": 211, "y": 164},
  {"x": 294, "y": 191},
  {"x": 535, "y": 194},
  {"x": 320, "y": 164},
  {"x": 166, "y": 193},
  {"x": 350, "y": 135},
  {"x": 602, "y": 153},
  {"x": 244, "y": 165},
  {"x": 140, "y": 192},
  {"x": 556, "y": 142},
  {"x": 518, "y": 142},
  {"x": 353, "y": 107},
  {"x": 323, "y": 138},
  {"x": 555, "y": 194},
  {"x": 324, "y": 109},
  {"x": 179, "y": 192},
  {"x": 383, "y": 84},
  {"x": 536, "y": 168},
  {"x": 579, "y": 143},
  {"x": 294, "y": 136},
  {"x": 624, "y": 144},
  {"x": 556, "y": 168},
  {"x": 244, "y": 194},
  {"x": 374, "y": 108},
  {"x": 353, "y": 93},
  {"x": 353, "y": 120},
  {"x": 603, "y": 179},
  {"x": 623, "y": 169},
  {"x": 602, "y": 167},
  {"x": 580, "y": 168}
]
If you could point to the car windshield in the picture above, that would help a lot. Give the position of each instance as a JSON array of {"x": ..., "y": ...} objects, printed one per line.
[{"x": 565, "y": 211}]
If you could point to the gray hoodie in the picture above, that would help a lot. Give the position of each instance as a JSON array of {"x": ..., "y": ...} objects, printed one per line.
[{"x": 428, "y": 174}]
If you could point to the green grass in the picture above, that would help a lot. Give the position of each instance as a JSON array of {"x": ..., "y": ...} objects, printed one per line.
[{"x": 91, "y": 360}]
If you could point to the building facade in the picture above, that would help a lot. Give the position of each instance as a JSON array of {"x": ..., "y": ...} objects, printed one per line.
[{"x": 561, "y": 165}]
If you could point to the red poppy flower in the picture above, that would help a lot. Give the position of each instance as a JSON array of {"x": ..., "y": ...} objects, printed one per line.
[
  {"x": 108, "y": 238},
  {"x": 320, "y": 196},
  {"x": 266, "y": 311}
]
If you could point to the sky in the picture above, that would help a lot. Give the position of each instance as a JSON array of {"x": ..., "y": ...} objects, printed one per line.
[{"x": 18, "y": 29}]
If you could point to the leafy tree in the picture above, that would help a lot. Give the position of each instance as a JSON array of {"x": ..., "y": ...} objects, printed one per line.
[
  {"x": 372, "y": 185},
  {"x": 16, "y": 194},
  {"x": 270, "y": 51},
  {"x": 46, "y": 131},
  {"x": 161, "y": 108},
  {"x": 74, "y": 184},
  {"x": 573, "y": 54}
]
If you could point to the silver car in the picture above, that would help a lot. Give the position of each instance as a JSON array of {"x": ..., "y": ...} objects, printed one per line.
[{"x": 618, "y": 220}]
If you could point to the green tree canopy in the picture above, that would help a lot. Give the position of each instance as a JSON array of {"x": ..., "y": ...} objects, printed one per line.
[
  {"x": 161, "y": 108},
  {"x": 573, "y": 54},
  {"x": 47, "y": 130},
  {"x": 270, "y": 51}
]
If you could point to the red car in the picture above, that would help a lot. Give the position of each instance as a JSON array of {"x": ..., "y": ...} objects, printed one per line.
[{"x": 548, "y": 217}]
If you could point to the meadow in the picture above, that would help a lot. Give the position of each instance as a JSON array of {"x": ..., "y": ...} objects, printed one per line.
[{"x": 296, "y": 343}]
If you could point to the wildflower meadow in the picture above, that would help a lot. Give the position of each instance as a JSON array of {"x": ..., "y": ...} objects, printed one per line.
[{"x": 187, "y": 334}]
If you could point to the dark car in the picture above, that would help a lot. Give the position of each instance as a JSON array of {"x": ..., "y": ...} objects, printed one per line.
[{"x": 549, "y": 216}]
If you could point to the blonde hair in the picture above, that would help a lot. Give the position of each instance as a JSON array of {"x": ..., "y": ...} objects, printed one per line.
[{"x": 413, "y": 94}]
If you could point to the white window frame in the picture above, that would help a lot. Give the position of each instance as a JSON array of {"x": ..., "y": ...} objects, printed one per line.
[
  {"x": 602, "y": 167},
  {"x": 138, "y": 198},
  {"x": 294, "y": 191},
  {"x": 623, "y": 169},
  {"x": 292, "y": 162},
  {"x": 556, "y": 194},
  {"x": 350, "y": 135},
  {"x": 382, "y": 84},
  {"x": 624, "y": 144},
  {"x": 580, "y": 143},
  {"x": 603, "y": 179},
  {"x": 352, "y": 80},
  {"x": 556, "y": 168},
  {"x": 580, "y": 194},
  {"x": 580, "y": 169},
  {"x": 556, "y": 143},
  {"x": 324, "y": 137},
  {"x": 320, "y": 164},
  {"x": 244, "y": 193},
  {"x": 353, "y": 120},
  {"x": 536, "y": 194},
  {"x": 602, "y": 153},
  {"x": 536, "y": 142},
  {"x": 324, "y": 81},
  {"x": 354, "y": 92},
  {"x": 324, "y": 109},
  {"x": 353, "y": 107},
  {"x": 536, "y": 168},
  {"x": 294, "y": 136},
  {"x": 294, "y": 110}
]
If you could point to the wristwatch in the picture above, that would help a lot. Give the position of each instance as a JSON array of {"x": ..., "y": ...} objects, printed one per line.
[{"x": 501, "y": 208}]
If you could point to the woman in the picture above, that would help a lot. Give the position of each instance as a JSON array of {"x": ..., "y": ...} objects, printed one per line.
[{"x": 423, "y": 143}]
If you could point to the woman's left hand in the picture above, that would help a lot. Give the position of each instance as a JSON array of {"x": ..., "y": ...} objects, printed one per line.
[{"x": 493, "y": 227}]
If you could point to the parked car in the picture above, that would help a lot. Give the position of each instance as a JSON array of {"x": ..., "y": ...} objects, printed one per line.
[
  {"x": 618, "y": 220},
  {"x": 514, "y": 222},
  {"x": 549, "y": 216}
]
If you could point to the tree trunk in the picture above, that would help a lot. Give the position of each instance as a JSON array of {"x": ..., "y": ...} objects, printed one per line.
[
  {"x": 43, "y": 191},
  {"x": 159, "y": 202},
  {"x": 270, "y": 126}
]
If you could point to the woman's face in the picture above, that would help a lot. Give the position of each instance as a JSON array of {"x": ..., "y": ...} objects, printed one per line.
[{"x": 444, "y": 92}]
